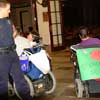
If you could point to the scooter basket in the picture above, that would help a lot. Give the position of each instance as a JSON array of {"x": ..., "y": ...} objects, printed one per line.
[{"x": 34, "y": 73}]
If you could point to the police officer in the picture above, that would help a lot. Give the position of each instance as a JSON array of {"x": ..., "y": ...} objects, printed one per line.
[{"x": 9, "y": 61}]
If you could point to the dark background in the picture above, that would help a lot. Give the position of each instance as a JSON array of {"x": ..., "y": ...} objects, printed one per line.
[{"x": 81, "y": 12}]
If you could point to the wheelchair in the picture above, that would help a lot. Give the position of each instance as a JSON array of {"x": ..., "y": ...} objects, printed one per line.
[
  {"x": 86, "y": 61},
  {"x": 36, "y": 67}
]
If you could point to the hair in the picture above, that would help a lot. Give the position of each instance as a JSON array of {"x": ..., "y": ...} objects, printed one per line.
[
  {"x": 3, "y": 3},
  {"x": 25, "y": 34},
  {"x": 83, "y": 32}
]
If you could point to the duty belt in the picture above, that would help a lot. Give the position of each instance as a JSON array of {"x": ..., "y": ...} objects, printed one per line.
[{"x": 8, "y": 49}]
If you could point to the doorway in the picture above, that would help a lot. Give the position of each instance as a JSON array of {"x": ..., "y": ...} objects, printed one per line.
[
  {"x": 55, "y": 25},
  {"x": 25, "y": 20}
]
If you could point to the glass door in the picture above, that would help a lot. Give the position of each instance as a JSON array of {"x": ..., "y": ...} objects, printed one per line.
[{"x": 55, "y": 25}]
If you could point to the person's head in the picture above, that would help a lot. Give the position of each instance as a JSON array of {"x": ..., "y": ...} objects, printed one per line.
[
  {"x": 83, "y": 33},
  {"x": 28, "y": 35},
  {"x": 4, "y": 8}
]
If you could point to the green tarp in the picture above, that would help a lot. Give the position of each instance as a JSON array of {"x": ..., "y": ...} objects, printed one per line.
[{"x": 89, "y": 63}]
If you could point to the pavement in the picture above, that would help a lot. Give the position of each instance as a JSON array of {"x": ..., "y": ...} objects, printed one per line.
[{"x": 63, "y": 71}]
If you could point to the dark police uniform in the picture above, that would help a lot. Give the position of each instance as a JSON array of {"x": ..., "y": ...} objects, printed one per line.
[{"x": 9, "y": 62}]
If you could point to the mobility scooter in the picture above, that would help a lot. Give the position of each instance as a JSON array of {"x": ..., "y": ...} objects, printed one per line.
[
  {"x": 36, "y": 66},
  {"x": 86, "y": 61}
]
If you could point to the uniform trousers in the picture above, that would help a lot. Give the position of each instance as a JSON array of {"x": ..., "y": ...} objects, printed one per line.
[{"x": 9, "y": 65}]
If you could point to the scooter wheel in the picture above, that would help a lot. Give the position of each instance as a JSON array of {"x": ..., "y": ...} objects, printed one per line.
[
  {"x": 79, "y": 88},
  {"x": 11, "y": 92},
  {"x": 50, "y": 83}
]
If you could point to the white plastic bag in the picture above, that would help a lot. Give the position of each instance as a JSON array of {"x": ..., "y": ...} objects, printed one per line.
[{"x": 40, "y": 60}]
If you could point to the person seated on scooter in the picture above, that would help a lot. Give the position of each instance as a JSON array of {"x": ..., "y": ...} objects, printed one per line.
[
  {"x": 33, "y": 37},
  {"x": 20, "y": 41},
  {"x": 86, "y": 40}
]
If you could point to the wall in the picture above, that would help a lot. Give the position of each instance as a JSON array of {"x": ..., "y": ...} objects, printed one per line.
[{"x": 43, "y": 26}]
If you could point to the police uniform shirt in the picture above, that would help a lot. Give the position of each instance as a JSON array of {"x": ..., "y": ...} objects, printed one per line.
[{"x": 6, "y": 33}]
